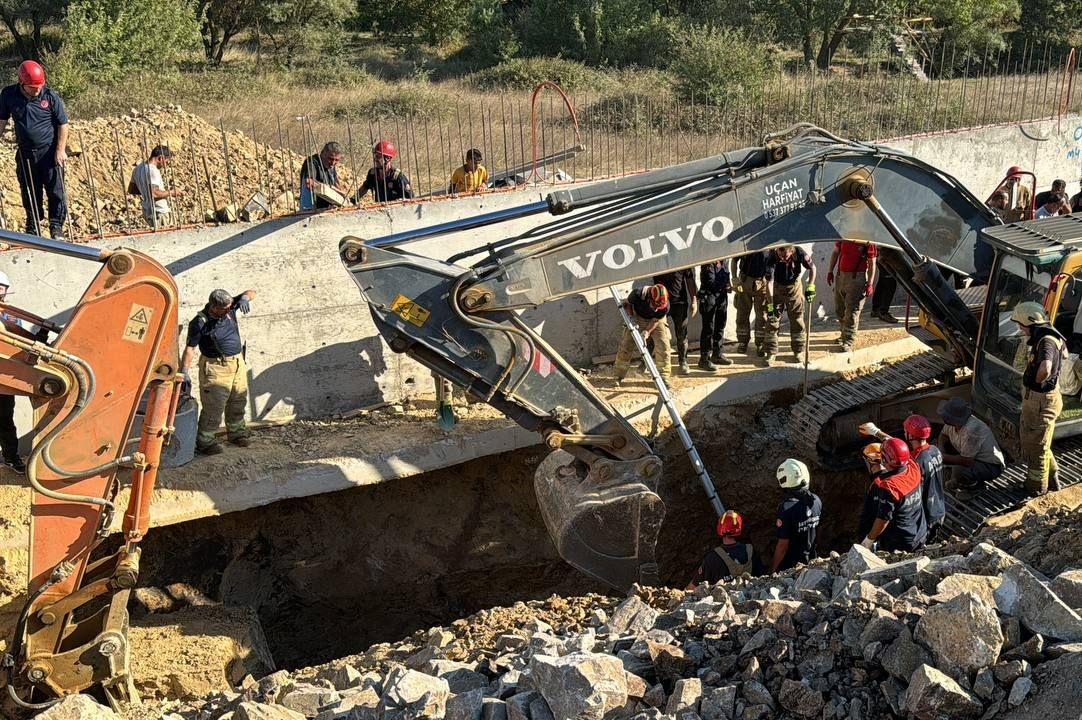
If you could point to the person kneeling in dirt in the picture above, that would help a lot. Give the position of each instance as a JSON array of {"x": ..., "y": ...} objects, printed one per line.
[
  {"x": 648, "y": 307},
  {"x": 893, "y": 515},
  {"x": 969, "y": 448},
  {"x": 798, "y": 517},
  {"x": 732, "y": 558}
]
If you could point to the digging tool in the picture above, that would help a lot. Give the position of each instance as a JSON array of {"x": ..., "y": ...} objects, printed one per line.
[
  {"x": 807, "y": 341},
  {"x": 445, "y": 411},
  {"x": 210, "y": 187},
  {"x": 674, "y": 413},
  {"x": 228, "y": 165},
  {"x": 67, "y": 208}
]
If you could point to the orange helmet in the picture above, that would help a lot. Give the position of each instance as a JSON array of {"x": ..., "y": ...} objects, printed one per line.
[
  {"x": 1014, "y": 171},
  {"x": 873, "y": 452},
  {"x": 657, "y": 296},
  {"x": 730, "y": 524},
  {"x": 385, "y": 148}
]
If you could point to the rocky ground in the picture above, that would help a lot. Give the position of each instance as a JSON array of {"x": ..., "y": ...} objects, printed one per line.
[{"x": 982, "y": 628}]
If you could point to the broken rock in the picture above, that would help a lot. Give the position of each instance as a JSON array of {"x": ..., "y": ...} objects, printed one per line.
[
  {"x": 632, "y": 616},
  {"x": 409, "y": 695},
  {"x": 903, "y": 656},
  {"x": 933, "y": 695},
  {"x": 799, "y": 699},
  {"x": 718, "y": 703},
  {"x": 1041, "y": 611},
  {"x": 261, "y": 711},
  {"x": 880, "y": 576},
  {"x": 859, "y": 560},
  {"x": 308, "y": 700},
  {"x": 1068, "y": 586},
  {"x": 983, "y": 586},
  {"x": 580, "y": 685},
  {"x": 1020, "y": 690},
  {"x": 686, "y": 695},
  {"x": 465, "y": 706},
  {"x": 78, "y": 707},
  {"x": 963, "y": 633}
]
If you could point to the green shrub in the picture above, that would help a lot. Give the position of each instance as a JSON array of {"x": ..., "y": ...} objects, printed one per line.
[
  {"x": 598, "y": 32},
  {"x": 526, "y": 73},
  {"x": 720, "y": 66},
  {"x": 492, "y": 40},
  {"x": 402, "y": 100}
]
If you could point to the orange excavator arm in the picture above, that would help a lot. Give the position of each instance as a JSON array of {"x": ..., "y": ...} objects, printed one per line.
[{"x": 119, "y": 346}]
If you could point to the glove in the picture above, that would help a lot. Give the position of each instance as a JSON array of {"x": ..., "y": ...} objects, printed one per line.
[
  {"x": 738, "y": 289},
  {"x": 868, "y": 428},
  {"x": 868, "y": 290},
  {"x": 830, "y": 277},
  {"x": 868, "y": 543},
  {"x": 770, "y": 311},
  {"x": 809, "y": 292},
  {"x": 244, "y": 305},
  {"x": 186, "y": 384}
]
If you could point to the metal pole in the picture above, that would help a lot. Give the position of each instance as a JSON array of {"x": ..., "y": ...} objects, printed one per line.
[
  {"x": 807, "y": 340},
  {"x": 228, "y": 170},
  {"x": 120, "y": 173},
  {"x": 677, "y": 421}
]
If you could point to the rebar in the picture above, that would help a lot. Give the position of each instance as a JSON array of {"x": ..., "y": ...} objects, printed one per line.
[{"x": 228, "y": 168}]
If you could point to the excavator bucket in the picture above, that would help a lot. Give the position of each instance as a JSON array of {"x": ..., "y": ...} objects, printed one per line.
[{"x": 604, "y": 518}]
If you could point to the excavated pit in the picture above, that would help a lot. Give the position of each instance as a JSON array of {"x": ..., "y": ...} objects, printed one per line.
[{"x": 329, "y": 575}]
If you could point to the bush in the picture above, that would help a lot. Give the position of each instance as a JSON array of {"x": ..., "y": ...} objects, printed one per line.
[
  {"x": 598, "y": 32},
  {"x": 720, "y": 66},
  {"x": 401, "y": 100},
  {"x": 492, "y": 40},
  {"x": 526, "y": 73}
]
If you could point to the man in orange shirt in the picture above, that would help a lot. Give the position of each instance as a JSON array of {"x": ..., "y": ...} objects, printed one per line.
[{"x": 852, "y": 285}]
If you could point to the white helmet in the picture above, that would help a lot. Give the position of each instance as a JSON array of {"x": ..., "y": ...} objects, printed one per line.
[
  {"x": 4, "y": 279},
  {"x": 793, "y": 474},
  {"x": 1029, "y": 313}
]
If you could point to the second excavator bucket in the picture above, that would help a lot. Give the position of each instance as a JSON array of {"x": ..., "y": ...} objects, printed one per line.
[{"x": 604, "y": 518}]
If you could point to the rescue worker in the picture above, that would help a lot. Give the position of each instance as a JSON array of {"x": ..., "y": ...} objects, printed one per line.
[
  {"x": 384, "y": 181},
  {"x": 798, "y": 517},
  {"x": 883, "y": 297},
  {"x": 223, "y": 374},
  {"x": 893, "y": 514},
  {"x": 41, "y": 134},
  {"x": 321, "y": 168},
  {"x": 787, "y": 292},
  {"x": 1019, "y": 197},
  {"x": 683, "y": 291},
  {"x": 146, "y": 182},
  {"x": 853, "y": 284},
  {"x": 969, "y": 448},
  {"x": 750, "y": 293},
  {"x": 9, "y": 435},
  {"x": 715, "y": 283},
  {"x": 1041, "y": 399},
  {"x": 469, "y": 177},
  {"x": 929, "y": 460},
  {"x": 872, "y": 454},
  {"x": 648, "y": 307},
  {"x": 732, "y": 558}
]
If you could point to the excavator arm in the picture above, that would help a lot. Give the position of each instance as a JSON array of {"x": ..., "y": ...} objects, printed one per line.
[
  {"x": 597, "y": 490},
  {"x": 118, "y": 346}
]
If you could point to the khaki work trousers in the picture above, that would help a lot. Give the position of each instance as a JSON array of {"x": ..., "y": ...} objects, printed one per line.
[
  {"x": 791, "y": 299},
  {"x": 223, "y": 387},
  {"x": 849, "y": 301},
  {"x": 751, "y": 295},
  {"x": 662, "y": 348},
  {"x": 1039, "y": 413}
]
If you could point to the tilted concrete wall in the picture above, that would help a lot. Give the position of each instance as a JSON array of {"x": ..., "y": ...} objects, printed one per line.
[{"x": 312, "y": 347}]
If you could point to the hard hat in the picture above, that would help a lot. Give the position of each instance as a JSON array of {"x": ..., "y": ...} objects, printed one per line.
[
  {"x": 1014, "y": 171},
  {"x": 385, "y": 148},
  {"x": 793, "y": 474},
  {"x": 1029, "y": 313},
  {"x": 730, "y": 524},
  {"x": 917, "y": 426},
  {"x": 32, "y": 74},
  {"x": 895, "y": 452},
  {"x": 4, "y": 279},
  {"x": 657, "y": 296},
  {"x": 873, "y": 452}
]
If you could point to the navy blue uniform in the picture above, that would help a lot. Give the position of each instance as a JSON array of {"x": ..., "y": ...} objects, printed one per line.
[
  {"x": 386, "y": 188},
  {"x": 715, "y": 569},
  {"x": 930, "y": 462},
  {"x": 638, "y": 302},
  {"x": 678, "y": 283},
  {"x": 755, "y": 265},
  {"x": 37, "y": 123},
  {"x": 896, "y": 497},
  {"x": 216, "y": 337},
  {"x": 787, "y": 272},
  {"x": 798, "y": 519},
  {"x": 714, "y": 284}
]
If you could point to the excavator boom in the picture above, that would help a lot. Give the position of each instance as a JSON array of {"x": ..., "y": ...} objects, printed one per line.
[{"x": 597, "y": 492}]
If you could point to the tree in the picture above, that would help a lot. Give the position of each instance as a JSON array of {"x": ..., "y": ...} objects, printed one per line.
[
  {"x": 223, "y": 20},
  {"x": 25, "y": 19},
  {"x": 294, "y": 26},
  {"x": 433, "y": 21},
  {"x": 818, "y": 27}
]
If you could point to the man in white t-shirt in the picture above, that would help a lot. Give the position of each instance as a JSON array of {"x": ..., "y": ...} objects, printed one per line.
[
  {"x": 969, "y": 449},
  {"x": 147, "y": 183}
]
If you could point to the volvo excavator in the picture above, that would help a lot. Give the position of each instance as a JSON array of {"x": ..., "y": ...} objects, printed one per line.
[
  {"x": 117, "y": 348},
  {"x": 597, "y": 489}
]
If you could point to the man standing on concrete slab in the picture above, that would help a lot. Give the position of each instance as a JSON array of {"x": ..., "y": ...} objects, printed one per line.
[
  {"x": 750, "y": 292},
  {"x": 223, "y": 374},
  {"x": 883, "y": 296},
  {"x": 854, "y": 283},
  {"x": 384, "y": 181},
  {"x": 683, "y": 291},
  {"x": 732, "y": 558},
  {"x": 969, "y": 448},
  {"x": 648, "y": 307},
  {"x": 146, "y": 182},
  {"x": 321, "y": 168},
  {"x": 41, "y": 134},
  {"x": 785, "y": 287},
  {"x": 1041, "y": 399},
  {"x": 798, "y": 517},
  {"x": 714, "y": 286},
  {"x": 893, "y": 514}
]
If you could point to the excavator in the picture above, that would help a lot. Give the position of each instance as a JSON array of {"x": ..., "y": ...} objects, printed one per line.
[
  {"x": 117, "y": 349},
  {"x": 597, "y": 489}
]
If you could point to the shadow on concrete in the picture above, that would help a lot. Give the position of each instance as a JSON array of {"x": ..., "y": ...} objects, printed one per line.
[{"x": 249, "y": 234}]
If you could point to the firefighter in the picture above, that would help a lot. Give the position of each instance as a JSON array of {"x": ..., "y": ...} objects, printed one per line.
[
  {"x": 683, "y": 291},
  {"x": 41, "y": 134},
  {"x": 798, "y": 517},
  {"x": 893, "y": 515},
  {"x": 750, "y": 294},
  {"x": 928, "y": 458},
  {"x": 787, "y": 291},
  {"x": 714, "y": 287},
  {"x": 648, "y": 307},
  {"x": 1041, "y": 400},
  {"x": 732, "y": 558},
  {"x": 384, "y": 181}
]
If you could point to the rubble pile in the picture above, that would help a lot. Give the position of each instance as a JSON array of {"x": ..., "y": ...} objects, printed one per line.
[{"x": 964, "y": 631}]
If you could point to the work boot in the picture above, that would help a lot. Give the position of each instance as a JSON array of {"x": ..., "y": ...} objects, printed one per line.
[
  {"x": 706, "y": 364},
  {"x": 742, "y": 348},
  {"x": 618, "y": 378},
  {"x": 718, "y": 358},
  {"x": 768, "y": 358},
  {"x": 243, "y": 440},
  {"x": 968, "y": 492},
  {"x": 684, "y": 368},
  {"x": 16, "y": 463},
  {"x": 847, "y": 347},
  {"x": 886, "y": 317},
  {"x": 211, "y": 448}
]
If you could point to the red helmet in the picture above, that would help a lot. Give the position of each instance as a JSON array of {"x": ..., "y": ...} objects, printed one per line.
[
  {"x": 730, "y": 524},
  {"x": 385, "y": 148},
  {"x": 917, "y": 426},
  {"x": 31, "y": 73},
  {"x": 1014, "y": 171},
  {"x": 657, "y": 296},
  {"x": 895, "y": 453}
]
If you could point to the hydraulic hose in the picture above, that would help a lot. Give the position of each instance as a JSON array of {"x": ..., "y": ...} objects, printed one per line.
[{"x": 59, "y": 574}]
